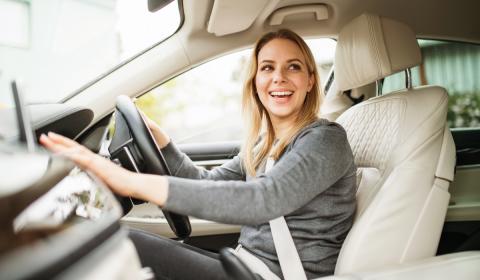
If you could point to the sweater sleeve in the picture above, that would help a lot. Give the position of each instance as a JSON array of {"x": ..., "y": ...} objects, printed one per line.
[
  {"x": 318, "y": 158},
  {"x": 181, "y": 165}
]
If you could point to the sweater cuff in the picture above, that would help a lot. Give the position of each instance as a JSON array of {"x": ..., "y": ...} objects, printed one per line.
[{"x": 173, "y": 157}]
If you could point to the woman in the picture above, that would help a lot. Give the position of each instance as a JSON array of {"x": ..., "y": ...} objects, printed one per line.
[{"x": 312, "y": 182}]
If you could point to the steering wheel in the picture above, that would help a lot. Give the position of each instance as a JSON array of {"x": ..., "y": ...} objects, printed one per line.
[{"x": 134, "y": 147}]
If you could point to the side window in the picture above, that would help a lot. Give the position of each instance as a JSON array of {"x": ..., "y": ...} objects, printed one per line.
[
  {"x": 454, "y": 66},
  {"x": 204, "y": 104}
]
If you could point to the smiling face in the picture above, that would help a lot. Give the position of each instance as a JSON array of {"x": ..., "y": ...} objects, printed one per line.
[{"x": 282, "y": 79}]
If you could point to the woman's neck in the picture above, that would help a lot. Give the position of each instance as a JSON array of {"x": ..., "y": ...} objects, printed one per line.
[{"x": 281, "y": 127}]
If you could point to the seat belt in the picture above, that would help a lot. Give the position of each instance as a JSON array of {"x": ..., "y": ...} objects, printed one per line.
[{"x": 292, "y": 268}]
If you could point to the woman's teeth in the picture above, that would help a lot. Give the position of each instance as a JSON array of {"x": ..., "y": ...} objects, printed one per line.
[{"x": 281, "y": 93}]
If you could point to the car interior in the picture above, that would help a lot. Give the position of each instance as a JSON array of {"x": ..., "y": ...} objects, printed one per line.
[{"x": 418, "y": 213}]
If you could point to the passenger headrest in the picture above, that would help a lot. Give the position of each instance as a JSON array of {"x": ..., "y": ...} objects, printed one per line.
[{"x": 371, "y": 47}]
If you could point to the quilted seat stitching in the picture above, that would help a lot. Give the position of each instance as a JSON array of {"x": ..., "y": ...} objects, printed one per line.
[{"x": 373, "y": 149}]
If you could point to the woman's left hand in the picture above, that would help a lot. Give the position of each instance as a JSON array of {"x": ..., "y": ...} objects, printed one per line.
[{"x": 120, "y": 180}]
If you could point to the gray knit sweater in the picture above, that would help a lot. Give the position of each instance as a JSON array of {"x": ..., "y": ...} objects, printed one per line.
[{"x": 312, "y": 184}]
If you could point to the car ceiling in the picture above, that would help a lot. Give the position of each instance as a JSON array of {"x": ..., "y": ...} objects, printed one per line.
[
  {"x": 193, "y": 44},
  {"x": 448, "y": 19}
]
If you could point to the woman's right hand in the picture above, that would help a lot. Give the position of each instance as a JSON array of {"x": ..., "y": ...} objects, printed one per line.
[
  {"x": 153, "y": 188},
  {"x": 160, "y": 136},
  {"x": 117, "y": 178}
]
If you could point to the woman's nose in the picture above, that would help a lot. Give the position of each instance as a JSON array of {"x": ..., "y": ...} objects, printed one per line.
[{"x": 279, "y": 76}]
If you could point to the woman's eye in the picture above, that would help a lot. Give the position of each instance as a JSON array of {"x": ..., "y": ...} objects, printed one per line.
[
  {"x": 295, "y": 67},
  {"x": 266, "y": 68}
]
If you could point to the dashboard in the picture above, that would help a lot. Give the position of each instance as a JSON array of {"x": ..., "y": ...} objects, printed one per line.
[{"x": 53, "y": 216}]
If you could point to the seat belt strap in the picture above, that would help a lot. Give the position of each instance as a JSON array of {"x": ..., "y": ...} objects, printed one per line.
[{"x": 292, "y": 268}]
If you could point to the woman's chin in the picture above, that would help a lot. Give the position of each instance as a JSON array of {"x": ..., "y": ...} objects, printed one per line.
[{"x": 281, "y": 114}]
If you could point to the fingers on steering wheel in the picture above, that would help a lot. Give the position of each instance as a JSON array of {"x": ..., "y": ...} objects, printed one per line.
[{"x": 150, "y": 123}]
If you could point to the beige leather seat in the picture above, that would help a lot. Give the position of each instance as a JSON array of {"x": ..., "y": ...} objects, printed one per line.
[
  {"x": 403, "y": 149},
  {"x": 337, "y": 101}
]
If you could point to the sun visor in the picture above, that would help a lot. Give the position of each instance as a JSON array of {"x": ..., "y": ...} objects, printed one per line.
[{"x": 226, "y": 17}]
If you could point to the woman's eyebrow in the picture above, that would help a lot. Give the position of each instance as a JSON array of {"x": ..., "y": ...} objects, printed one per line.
[
  {"x": 267, "y": 61},
  {"x": 290, "y": 60},
  {"x": 295, "y": 59}
]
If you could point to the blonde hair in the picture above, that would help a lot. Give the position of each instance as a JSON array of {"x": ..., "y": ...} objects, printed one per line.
[{"x": 255, "y": 149}]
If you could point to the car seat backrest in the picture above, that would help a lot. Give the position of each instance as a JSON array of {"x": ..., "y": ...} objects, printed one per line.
[{"x": 402, "y": 147}]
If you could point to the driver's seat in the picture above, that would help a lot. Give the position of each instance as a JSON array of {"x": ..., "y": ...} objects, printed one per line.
[{"x": 403, "y": 149}]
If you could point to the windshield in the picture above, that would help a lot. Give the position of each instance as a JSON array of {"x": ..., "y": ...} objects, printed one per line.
[{"x": 53, "y": 48}]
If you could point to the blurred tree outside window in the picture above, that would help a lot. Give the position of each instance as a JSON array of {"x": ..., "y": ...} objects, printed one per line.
[
  {"x": 454, "y": 66},
  {"x": 204, "y": 103}
]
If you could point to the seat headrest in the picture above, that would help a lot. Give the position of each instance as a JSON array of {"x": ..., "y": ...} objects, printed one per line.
[{"x": 371, "y": 47}]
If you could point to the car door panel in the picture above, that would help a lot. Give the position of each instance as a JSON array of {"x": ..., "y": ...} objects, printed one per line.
[
  {"x": 201, "y": 152},
  {"x": 461, "y": 230},
  {"x": 205, "y": 234}
]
